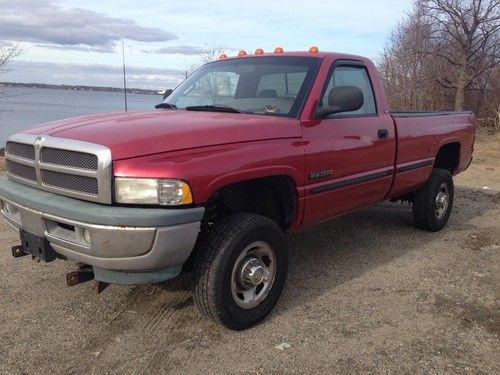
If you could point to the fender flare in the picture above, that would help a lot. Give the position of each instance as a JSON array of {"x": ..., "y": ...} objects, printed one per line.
[{"x": 252, "y": 174}]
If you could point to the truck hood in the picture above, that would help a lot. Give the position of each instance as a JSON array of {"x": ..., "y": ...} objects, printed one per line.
[{"x": 142, "y": 133}]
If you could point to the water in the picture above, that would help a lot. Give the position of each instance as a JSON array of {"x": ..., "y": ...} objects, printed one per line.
[{"x": 24, "y": 107}]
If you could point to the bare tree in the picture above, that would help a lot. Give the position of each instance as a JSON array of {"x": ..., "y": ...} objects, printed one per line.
[
  {"x": 6, "y": 55},
  {"x": 445, "y": 55},
  {"x": 212, "y": 53},
  {"x": 399, "y": 67},
  {"x": 214, "y": 85},
  {"x": 408, "y": 70},
  {"x": 466, "y": 36}
]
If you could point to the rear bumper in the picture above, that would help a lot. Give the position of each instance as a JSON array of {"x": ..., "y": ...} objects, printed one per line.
[{"x": 121, "y": 238}]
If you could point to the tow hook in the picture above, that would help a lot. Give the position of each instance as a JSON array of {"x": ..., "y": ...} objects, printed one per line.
[
  {"x": 84, "y": 274},
  {"x": 17, "y": 251},
  {"x": 100, "y": 286}
]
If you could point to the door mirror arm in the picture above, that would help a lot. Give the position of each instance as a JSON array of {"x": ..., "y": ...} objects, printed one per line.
[{"x": 322, "y": 112}]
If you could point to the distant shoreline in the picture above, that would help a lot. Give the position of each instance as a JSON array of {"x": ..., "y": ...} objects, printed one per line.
[{"x": 78, "y": 88}]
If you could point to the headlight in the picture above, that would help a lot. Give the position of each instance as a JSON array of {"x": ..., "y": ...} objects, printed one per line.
[{"x": 167, "y": 192}]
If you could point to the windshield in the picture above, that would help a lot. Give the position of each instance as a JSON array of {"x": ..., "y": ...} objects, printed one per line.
[{"x": 268, "y": 85}]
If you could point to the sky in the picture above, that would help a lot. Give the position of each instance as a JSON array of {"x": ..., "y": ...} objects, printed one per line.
[{"x": 79, "y": 42}]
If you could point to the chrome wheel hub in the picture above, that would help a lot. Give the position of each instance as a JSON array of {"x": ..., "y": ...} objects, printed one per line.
[
  {"x": 253, "y": 274},
  {"x": 442, "y": 201}
]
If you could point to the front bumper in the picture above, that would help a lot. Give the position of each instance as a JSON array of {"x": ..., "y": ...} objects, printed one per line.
[{"x": 121, "y": 238}]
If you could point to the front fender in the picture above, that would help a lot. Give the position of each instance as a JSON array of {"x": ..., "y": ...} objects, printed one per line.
[{"x": 208, "y": 169}]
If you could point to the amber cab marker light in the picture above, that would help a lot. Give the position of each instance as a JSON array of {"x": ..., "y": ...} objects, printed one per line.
[
  {"x": 278, "y": 50},
  {"x": 242, "y": 53},
  {"x": 314, "y": 49},
  {"x": 223, "y": 56},
  {"x": 259, "y": 51}
]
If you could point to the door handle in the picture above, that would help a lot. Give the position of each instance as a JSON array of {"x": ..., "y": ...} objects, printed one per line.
[{"x": 383, "y": 133}]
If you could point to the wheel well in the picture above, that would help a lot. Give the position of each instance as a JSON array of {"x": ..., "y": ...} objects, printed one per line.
[
  {"x": 447, "y": 157},
  {"x": 273, "y": 197}
]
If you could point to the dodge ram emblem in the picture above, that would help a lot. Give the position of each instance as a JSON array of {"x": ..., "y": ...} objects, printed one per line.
[{"x": 38, "y": 142}]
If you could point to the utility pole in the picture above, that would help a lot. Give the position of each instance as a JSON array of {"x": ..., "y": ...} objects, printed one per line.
[{"x": 124, "y": 79}]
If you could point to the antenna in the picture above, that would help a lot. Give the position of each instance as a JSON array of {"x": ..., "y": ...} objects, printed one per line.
[{"x": 124, "y": 79}]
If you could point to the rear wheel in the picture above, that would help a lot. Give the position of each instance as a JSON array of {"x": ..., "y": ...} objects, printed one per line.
[
  {"x": 240, "y": 270},
  {"x": 432, "y": 203}
]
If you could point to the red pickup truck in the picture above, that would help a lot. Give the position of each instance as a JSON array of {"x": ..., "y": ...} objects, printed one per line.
[{"x": 243, "y": 151}]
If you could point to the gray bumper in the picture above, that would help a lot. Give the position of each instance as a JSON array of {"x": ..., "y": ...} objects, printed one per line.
[{"x": 121, "y": 238}]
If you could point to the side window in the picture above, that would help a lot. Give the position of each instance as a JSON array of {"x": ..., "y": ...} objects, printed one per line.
[
  {"x": 271, "y": 85},
  {"x": 294, "y": 82},
  {"x": 283, "y": 84},
  {"x": 352, "y": 76}
]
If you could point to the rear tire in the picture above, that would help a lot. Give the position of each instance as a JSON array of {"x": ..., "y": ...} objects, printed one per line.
[
  {"x": 240, "y": 270},
  {"x": 432, "y": 203}
]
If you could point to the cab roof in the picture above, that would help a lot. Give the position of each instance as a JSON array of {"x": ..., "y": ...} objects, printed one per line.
[{"x": 319, "y": 55}]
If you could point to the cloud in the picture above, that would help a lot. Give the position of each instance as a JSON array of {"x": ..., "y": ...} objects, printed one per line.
[
  {"x": 48, "y": 23},
  {"x": 6, "y": 44},
  {"x": 92, "y": 74},
  {"x": 78, "y": 47},
  {"x": 181, "y": 50}
]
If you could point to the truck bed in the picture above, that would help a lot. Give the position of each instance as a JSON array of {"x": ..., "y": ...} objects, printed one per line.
[{"x": 419, "y": 143}]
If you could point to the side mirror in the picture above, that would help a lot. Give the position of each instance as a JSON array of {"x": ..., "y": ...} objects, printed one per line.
[
  {"x": 167, "y": 93},
  {"x": 341, "y": 99}
]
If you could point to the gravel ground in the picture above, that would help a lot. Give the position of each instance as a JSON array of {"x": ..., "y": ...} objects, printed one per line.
[{"x": 366, "y": 293}]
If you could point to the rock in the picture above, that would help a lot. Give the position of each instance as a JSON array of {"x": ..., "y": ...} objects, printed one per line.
[{"x": 283, "y": 346}]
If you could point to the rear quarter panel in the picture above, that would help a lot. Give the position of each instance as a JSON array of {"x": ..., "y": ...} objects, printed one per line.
[{"x": 419, "y": 140}]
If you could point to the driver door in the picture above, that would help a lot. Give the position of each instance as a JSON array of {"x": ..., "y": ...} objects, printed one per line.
[{"x": 349, "y": 155}]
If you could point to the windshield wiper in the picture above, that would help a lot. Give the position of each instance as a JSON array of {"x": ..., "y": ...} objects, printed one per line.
[
  {"x": 213, "y": 108},
  {"x": 166, "y": 105}
]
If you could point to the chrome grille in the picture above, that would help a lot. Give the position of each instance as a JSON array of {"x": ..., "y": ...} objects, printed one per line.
[
  {"x": 21, "y": 170},
  {"x": 68, "y": 158},
  {"x": 63, "y": 166},
  {"x": 70, "y": 182},
  {"x": 21, "y": 150}
]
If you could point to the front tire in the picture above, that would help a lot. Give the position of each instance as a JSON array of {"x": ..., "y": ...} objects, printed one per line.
[
  {"x": 240, "y": 270},
  {"x": 432, "y": 203}
]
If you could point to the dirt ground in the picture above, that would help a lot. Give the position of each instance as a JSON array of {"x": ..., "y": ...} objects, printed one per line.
[{"x": 367, "y": 293}]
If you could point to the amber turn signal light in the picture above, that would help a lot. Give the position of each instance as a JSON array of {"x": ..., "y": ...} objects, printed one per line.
[
  {"x": 314, "y": 49},
  {"x": 259, "y": 51},
  {"x": 278, "y": 50}
]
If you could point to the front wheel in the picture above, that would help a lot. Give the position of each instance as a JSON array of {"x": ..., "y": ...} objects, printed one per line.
[
  {"x": 432, "y": 203},
  {"x": 240, "y": 270}
]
